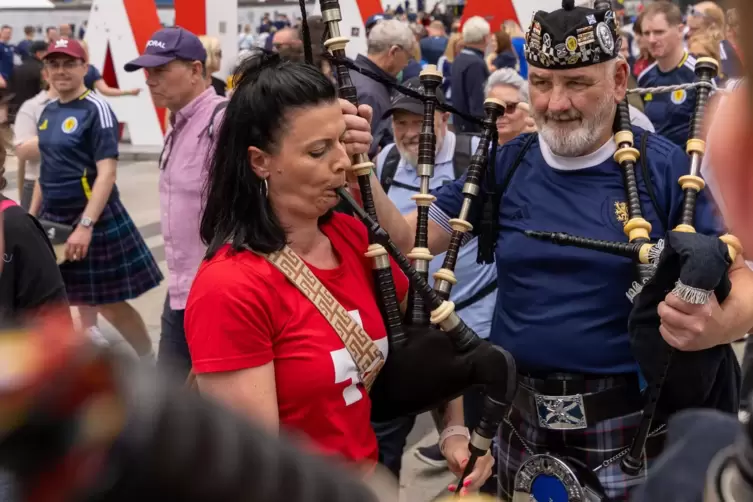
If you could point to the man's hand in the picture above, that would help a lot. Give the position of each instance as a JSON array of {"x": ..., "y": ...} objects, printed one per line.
[
  {"x": 688, "y": 327},
  {"x": 77, "y": 245},
  {"x": 357, "y": 138}
]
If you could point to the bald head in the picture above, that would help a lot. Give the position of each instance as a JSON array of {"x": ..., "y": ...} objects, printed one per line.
[
  {"x": 288, "y": 43},
  {"x": 285, "y": 36}
]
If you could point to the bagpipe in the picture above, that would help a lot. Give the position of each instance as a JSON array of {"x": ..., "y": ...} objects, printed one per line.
[
  {"x": 685, "y": 263},
  {"x": 79, "y": 423},
  {"x": 431, "y": 331}
]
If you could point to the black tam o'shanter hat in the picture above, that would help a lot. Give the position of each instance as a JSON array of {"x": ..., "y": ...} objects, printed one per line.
[{"x": 572, "y": 37}]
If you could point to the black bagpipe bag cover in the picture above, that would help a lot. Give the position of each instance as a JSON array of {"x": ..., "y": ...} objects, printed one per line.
[
  {"x": 428, "y": 371},
  {"x": 702, "y": 379}
]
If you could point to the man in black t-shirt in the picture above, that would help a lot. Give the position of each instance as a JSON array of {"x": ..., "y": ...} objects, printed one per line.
[{"x": 30, "y": 281}]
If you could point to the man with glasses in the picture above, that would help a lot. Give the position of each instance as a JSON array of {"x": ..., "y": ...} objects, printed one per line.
[
  {"x": 174, "y": 60},
  {"x": 390, "y": 46},
  {"x": 288, "y": 43}
]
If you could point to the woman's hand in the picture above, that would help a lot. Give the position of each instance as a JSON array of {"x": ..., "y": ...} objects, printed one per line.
[
  {"x": 455, "y": 450},
  {"x": 357, "y": 138}
]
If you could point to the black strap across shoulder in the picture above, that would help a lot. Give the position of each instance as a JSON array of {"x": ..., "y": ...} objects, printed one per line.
[
  {"x": 479, "y": 295},
  {"x": 389, "y": 168},
  {"x": 649, "y": 181},
  {"x": 461, "y": 158}
]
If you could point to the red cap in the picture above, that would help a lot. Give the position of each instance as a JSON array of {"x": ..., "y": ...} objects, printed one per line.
[{"x": 66, "y": 46}]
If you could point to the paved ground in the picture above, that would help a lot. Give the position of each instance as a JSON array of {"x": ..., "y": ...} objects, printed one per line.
[{"x": 137, "y": 182}]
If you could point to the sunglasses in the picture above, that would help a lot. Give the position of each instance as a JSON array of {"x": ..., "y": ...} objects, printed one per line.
[{"x": 510, "y": 108}]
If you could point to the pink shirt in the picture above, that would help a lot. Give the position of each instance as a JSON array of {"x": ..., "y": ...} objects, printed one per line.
[{"x": 183, "y": 169}]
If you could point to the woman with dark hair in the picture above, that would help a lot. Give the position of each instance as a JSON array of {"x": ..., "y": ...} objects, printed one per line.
[
  {"x": 257, "y": 342},
  {"x": 503, "y": 55}
]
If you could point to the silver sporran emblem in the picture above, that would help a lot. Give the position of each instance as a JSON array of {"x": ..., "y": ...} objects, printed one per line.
[
  {"x": 605, "y": 38},
  {"x": 545, "y": 478}
]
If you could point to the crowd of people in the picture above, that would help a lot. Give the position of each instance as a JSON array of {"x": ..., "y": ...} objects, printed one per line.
[{"x": 242, "y": 327}]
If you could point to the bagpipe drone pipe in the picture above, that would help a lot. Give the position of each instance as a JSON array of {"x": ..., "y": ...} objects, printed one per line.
[
  {"x": 79, "y": 423},
  {"x": 433, "y": 357},
  {"x": 688, "y": 264}
]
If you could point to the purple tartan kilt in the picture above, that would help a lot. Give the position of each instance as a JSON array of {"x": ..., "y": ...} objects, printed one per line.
[
  {"x": 118, "y": 267},
  {"x": 592, "y": 446}
]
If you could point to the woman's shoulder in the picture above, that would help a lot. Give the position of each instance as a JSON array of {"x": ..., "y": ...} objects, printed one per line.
[{"x": 230, "y": 268}]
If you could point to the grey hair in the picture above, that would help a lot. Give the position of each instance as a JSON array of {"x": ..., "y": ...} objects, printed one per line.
[
  {"x": 475, "y": 30},
  {"x": 509, "y": 77},
  {"x": 389, "y": 33}
]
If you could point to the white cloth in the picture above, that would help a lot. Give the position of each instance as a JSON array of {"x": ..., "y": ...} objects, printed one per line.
[
  {"x": 638, "y": 118},
  {"x": 25, "y": 128}
]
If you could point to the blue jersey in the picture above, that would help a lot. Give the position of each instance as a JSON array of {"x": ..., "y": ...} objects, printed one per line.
[
  {"x": 73, "y": 137},
  {"x": 6, "y": 61},
  {"x": 565, "y": 308},
  {"x": 91, "y": 77},
  {"x": 670, "y": 112}
]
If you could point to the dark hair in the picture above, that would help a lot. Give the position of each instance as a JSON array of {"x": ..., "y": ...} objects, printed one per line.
[
  {"x": 6, "y": 27},
  {"x": 266, "y": 89},
  {"x": 504, "y": 42}
]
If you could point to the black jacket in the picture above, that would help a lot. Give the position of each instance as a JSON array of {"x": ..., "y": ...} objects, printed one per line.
[
  {"x": 469, "y": 74},
  {"x": 378, "y": 96}
]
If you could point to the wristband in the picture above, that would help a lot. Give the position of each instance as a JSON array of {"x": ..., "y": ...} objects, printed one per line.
[{"x": 455, "y": 430}]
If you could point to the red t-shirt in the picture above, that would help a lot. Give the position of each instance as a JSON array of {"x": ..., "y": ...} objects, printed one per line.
[{"x": 242, "y": 313}]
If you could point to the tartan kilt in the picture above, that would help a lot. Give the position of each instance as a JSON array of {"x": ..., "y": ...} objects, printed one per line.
[
  {"x": 592, "y": 446},
  {"x": 118, "y": 266}
]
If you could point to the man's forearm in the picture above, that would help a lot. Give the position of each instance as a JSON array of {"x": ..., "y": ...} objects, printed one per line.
[
  {"x": 36, "y": 200},
  {"x": 734, "y": 317},
  {"x": 401, "y": 232}
]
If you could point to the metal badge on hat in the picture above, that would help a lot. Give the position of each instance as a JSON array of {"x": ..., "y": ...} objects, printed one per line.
[{"x": 605, "y": 38}]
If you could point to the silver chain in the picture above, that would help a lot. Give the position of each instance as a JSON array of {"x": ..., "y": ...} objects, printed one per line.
[
  {"x": 599, "y": 467},
  {"x": 670, "y": 88}
]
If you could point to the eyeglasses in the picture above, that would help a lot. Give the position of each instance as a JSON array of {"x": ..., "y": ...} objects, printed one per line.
[{"x": 68, "y": 64}]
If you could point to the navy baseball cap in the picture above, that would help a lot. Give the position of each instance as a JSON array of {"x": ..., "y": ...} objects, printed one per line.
[
  {"x": 169, "y": 44},
  {"x": 406, "y": 103},
  {"x": 373, "y": 20}
]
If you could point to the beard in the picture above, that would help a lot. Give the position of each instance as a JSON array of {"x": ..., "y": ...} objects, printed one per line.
[
  {"x": 564, "y": 139},
  {"x": 410, "y": 155}
]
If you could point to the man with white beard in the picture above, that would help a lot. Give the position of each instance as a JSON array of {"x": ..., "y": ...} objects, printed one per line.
[
  {"x": 563, "y": 311},
  {"x": 474, "y": 294}
]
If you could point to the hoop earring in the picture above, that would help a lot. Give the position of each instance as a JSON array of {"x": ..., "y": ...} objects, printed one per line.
[{"x": 264, "y": 188}]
